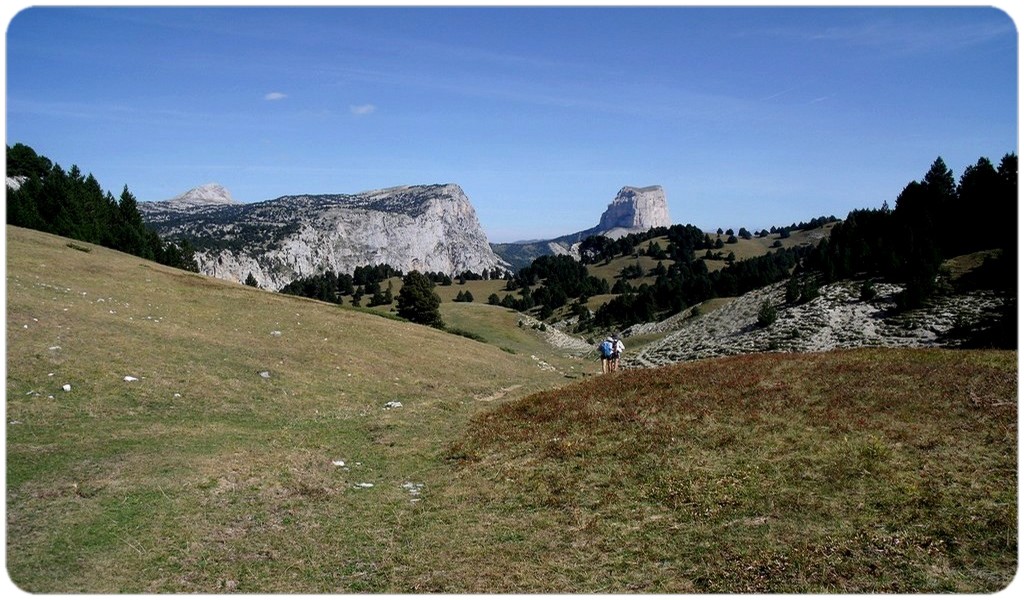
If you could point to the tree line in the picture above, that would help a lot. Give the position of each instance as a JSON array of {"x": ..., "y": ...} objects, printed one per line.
[
  {"x": 416, "y": 301},
  {"x": 934, "y": 219},
  {"x": 73, "y": 205},
  {"x": 330, "y": 286},
  {"x": 552, "y": 282},
  {"x": 688, "y": 282}
]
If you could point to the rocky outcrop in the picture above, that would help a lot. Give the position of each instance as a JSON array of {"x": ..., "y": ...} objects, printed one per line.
[
  {"x": 430, "y": 228},
  {"x": 634, "y": 210},
  {"x": 837, "y": 319},
  {"x": 14, "y": 183}
]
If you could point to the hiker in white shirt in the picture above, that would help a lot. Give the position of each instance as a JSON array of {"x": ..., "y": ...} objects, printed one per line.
[{"x": 618, "y": 349}]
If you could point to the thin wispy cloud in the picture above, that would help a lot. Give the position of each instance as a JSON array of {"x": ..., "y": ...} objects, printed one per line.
[
  {"x": 272, "y": 96},
  {"x": 906, "y": 37},
  {"x": 362, "y": 109}
]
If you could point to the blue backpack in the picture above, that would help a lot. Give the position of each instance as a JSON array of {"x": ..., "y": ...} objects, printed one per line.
[{"x": 606, "y": 349}]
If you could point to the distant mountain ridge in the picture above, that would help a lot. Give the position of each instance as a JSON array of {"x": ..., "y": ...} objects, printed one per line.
[
  {"x": 211, "y": 193},
  {"x": 633, "y": 210},
  {"x": 430, "y": 228}
]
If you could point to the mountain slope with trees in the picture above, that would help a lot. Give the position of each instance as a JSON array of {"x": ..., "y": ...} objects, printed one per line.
[
  {"x": 934, "y": 220},
  {"x": 47, "y": 198}
]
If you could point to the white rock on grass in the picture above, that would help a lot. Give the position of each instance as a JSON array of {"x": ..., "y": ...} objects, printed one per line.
[
  {"x": 414, "y": 489},
  {"x": 129, "y": 378}
]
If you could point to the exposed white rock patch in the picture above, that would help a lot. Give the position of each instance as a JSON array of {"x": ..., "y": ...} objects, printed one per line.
[
  {"x": 431, "y": 228},
  {"x": 838, "y": 318}
]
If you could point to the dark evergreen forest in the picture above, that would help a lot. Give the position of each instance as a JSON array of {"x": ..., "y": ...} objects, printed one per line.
[
  {"x": 934, "y": 219},
  {"x": 73, "y": 205}
]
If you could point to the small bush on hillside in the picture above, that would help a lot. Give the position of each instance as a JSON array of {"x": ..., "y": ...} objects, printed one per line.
[
  {"x": 792, "y": 291},
  {"x": 465, "y": 334},
  {"x": 801, "y": 292},
  {"x": 767, "y": 314},
  {"x": 868, "y": 291},
  {"x": 809, "y": 291}
]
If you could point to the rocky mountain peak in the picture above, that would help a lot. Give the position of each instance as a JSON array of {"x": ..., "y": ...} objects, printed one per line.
[
  {"x": 635, "y": 209},
  {"x": 210, "y": 193}
]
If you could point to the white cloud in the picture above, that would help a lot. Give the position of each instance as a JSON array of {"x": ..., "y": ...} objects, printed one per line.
[
  {"x": 275, "y": 96},
  {"x": 362, "y": 109}
]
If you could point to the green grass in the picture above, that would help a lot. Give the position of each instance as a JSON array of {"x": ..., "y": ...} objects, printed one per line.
[
  {"x": 862, "y": 471},
  {"x": 758, "y": 246},
  {"x": 204, "y": 476}
]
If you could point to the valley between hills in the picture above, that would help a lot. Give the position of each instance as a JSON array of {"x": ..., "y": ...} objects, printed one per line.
[{"x": 169, "y": 432}]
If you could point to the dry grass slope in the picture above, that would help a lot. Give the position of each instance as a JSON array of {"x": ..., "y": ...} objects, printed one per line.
[
  {"x": 215, "y": 470},
  {"x": 857, "y": 471}
]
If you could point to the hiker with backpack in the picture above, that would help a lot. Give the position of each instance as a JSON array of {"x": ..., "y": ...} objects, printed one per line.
[
  {"x": 617, "y": 350},
  {"x": 610, "y": 349},
  {"x": 607, "y": 351}
]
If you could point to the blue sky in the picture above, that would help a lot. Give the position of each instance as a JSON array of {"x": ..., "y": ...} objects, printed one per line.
[{"x": 746, "y": 116}]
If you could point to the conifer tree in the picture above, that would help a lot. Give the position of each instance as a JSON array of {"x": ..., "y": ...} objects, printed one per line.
[{"x": 418, "y": 302}]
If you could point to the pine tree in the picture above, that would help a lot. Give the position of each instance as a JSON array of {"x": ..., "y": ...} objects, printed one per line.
[
  {"x": 767, "y": 314},
  {"x": 418, "y": 302}
]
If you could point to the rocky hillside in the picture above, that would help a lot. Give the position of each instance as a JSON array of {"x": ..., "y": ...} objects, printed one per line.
[
  {"x": 430, "y": 228},
  {"x": 838, "y": 318},
  {"x": 633, "y": 210}
]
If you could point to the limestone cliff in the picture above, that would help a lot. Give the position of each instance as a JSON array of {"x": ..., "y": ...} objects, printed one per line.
[
  {"x": 430, "y": 228},
  {"x": 634, "y": 210}
]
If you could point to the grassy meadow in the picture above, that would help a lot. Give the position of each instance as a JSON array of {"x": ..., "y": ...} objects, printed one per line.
[
  {"x": 258, "y": 448},
  {"x": 204, "y": 475}
]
